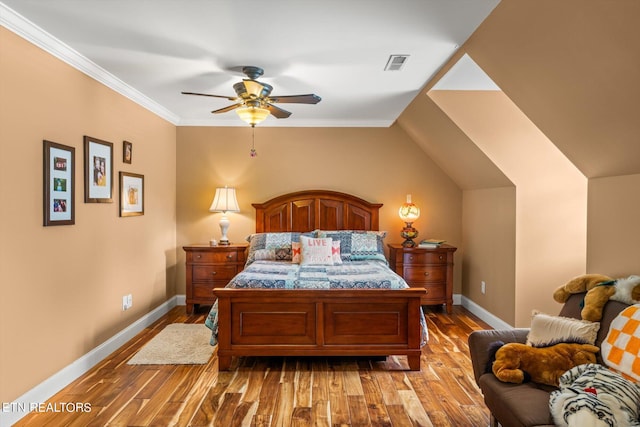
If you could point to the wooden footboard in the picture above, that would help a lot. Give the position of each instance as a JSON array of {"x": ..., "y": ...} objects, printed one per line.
[{"x": 337, "y": 322}]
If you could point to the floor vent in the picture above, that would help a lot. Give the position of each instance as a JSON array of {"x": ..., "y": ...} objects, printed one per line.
[{"x": 396, "y": 62}]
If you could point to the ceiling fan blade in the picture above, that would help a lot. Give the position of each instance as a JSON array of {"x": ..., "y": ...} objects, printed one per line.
[
  {"x": 225, "y": 109},
  {"x": 297, "y": 99},
  {"x": 230, "y": 98},
  {"x": 277, "y": 112}
]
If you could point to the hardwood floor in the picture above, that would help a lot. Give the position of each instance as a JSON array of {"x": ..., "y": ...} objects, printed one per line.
[{"x": 282, "y": 391}]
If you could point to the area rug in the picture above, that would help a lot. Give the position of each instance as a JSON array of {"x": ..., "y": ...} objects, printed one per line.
[{"x": 176, "y": 344}]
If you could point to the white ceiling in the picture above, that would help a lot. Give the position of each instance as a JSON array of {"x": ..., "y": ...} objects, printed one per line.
[{"x": 151, "y": 50}]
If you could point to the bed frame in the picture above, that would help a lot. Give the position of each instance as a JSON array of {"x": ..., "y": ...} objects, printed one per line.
[{"x": 337, "y": 322}]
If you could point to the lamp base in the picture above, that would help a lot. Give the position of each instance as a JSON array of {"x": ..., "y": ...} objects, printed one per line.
[
  {"x": 224, "y": 226},
  {"x": 408, "y": 233},
  {"x": 408, "y": 243}
]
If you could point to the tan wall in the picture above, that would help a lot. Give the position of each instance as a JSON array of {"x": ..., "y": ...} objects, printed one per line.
[
  {"x": 614, "y": 228},
  {"x": 551, "y": 194},
  {"x": 379, "y": 165},
  {"x": 62, "y": 286},
  {"x": 489, "y": 237}
]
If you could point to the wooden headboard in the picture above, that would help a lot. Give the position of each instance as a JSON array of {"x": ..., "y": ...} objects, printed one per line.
[{"x": 316, "y": 209}]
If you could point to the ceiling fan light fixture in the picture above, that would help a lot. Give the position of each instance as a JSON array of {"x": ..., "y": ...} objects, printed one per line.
[{"x": 252, "y": 115}]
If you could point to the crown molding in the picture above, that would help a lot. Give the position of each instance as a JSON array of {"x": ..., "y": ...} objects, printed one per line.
[
  {"x": 269, "y": 123},
  {"x": 37, "y": 36}
]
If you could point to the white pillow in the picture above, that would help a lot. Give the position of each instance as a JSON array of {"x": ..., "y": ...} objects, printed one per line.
[
  {"x": 547, "y": 330},
  {"x": 316, "y": 251}
]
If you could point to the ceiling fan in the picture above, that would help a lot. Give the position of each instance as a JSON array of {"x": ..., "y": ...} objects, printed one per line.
[{"x": 254, "y": 101}]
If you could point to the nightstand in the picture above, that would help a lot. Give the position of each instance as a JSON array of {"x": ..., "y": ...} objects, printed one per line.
[
  {"x": 429, "y": 268},
  {"x": 209, "y": 267}
]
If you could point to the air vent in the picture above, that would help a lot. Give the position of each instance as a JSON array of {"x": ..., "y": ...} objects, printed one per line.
[{"x": 396, "y": 62}]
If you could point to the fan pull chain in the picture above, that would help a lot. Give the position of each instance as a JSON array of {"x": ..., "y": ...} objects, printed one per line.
[{"x": 253, "y": 152}]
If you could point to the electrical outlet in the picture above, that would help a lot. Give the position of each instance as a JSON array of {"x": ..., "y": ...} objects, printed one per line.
[
  {"x": 483, "y": 287},
  {"x": 127, "y": 302}
]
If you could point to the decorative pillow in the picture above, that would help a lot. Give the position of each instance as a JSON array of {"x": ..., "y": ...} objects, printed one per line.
[
  {"x": 620, "y": 350},
  {"x": 283, "y": 253},
  {"x": 280, "y": 243},
  {"x": 295, "y": 252},
  {"x": 335, "y": 252},
  {"x": 357, "y": 244},
  {"x": 265, "y": 254},
  {"x": 547, "y": 330},
  {"x": 316, "y": 251}
]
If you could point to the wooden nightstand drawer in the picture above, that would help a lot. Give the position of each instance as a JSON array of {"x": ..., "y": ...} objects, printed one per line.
[
  {"x": 209, "y": 267},
  {"x": 425, "y": 274},
  {"x": 435, "y": 292},
  {"x": 200, "y": 257},
  {"x": 206, "y": 291},
  {"x": 425, "y": 258},
  {"x": 428, "y": 268},
  {"x": 218, "y": 272}
]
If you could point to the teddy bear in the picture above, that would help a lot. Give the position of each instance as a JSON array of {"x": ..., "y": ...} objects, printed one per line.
[
  {"x": 591, "y": 395},
  {"x": 599, "y": 289},
  {"x": 517, "y": 363}
]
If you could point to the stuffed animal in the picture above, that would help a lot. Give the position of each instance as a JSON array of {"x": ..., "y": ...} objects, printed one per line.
[
  {"x": 592, "y": 396},
  {"x": 517, "y": 363},
  {"x": 600, "y": 289}
]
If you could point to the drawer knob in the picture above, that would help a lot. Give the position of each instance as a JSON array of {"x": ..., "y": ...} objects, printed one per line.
[
  {"x": 229, "y": 256},
  {"x": 441, "y": 257},
  {"x": 426, "y": 291},
  {"x": 410, "y": 258},
  {"x": 426, "y": 273},
  {"x": 213, "y": 273},
  {"x": 198, "y": 256}
]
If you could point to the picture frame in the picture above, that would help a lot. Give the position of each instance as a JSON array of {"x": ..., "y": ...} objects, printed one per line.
[
  {"x": 127, "y": 152},
  {"x": 59, "y": 193},
  {"x": 98, "y": 171},
  {"x": 131, "y": 194}
]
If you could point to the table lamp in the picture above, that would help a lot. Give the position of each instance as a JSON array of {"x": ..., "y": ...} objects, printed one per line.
[
  {"x": 224, "y": 201},
  {"x": 409, "y": 212}
]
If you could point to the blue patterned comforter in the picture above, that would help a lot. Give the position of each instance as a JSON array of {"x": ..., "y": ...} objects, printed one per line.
[{"x": 364, "y": 274}]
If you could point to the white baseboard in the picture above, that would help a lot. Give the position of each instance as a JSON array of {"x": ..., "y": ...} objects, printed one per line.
[
  {"x": 12, "y": 412},
  {"x": 484, "y": 315}
]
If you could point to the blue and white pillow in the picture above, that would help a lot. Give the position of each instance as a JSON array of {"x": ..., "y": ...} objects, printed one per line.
[
  {"x": 272, "y": 246},
  {"x": 357, "y": 244}
]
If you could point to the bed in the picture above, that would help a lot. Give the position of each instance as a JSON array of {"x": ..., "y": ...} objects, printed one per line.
[{"x": 356, "y": 306}]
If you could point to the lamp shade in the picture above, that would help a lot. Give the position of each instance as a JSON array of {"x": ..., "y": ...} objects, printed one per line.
[
  {"x": 409, "y": 212},
  {"x": 253, "y": 115},
  {"x": 225, "y": 201}
]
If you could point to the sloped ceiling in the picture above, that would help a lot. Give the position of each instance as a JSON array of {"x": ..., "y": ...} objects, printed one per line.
[
  {"x": 571, "y": 67},
  {"x": 452, "y": 150}
]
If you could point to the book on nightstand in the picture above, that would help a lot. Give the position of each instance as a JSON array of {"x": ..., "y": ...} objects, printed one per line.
[{"x": 430, "y": 243}]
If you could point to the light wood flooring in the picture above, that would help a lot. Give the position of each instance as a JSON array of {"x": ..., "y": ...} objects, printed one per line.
[{"x": 282, "y": 391}]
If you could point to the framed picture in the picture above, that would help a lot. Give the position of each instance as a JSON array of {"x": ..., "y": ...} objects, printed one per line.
[
  {"x": 98, "y": 171},
  {"x": 127, "y": 152},
  {"x": 59, "y": 186},
  {"x": 131, "y": 194}
]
